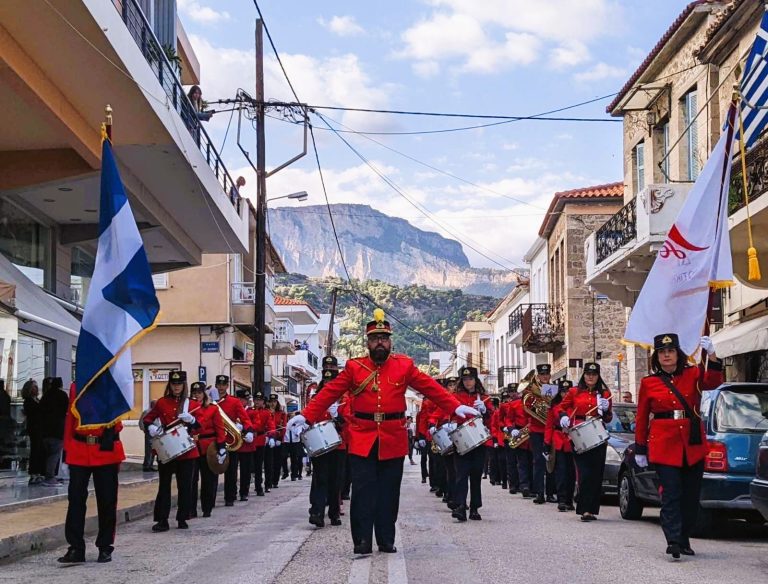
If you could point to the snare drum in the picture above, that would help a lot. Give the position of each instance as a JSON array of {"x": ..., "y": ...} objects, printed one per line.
[
  {"x": 321, "y": 438},
  {"x": 588, "y": 434},
  {"x": 442, "y": 440},
  {"x": 470, "y": 435},
  {"x": 172, "y": 443}
]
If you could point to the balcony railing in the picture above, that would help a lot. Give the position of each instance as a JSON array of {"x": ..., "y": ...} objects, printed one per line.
[
  {"x": 516, "y": 319},
  {"x": 543, "y": 327},
  {"x": 757, "y": 176},
  {"x": 243, "y": 292},
  {"x": 166, "y": 74},
  {"x": 617, "y": 231},
  {"x": 284, "y": 331},
  {"x": 291, "y": 384}
]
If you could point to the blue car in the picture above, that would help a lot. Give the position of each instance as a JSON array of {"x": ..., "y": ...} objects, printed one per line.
[{"x": 736, "y": 417}]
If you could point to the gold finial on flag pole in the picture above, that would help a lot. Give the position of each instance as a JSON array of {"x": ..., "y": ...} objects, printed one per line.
[{"x": 106, "y": 126}]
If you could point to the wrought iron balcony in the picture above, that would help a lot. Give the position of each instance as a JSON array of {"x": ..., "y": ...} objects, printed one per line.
[
  {"x": 167, "y": 75},
  {"x": 292, "y": 386},
  {"x": 543, "y": 327},
  {"x": 284, "y": 331},
  {"x": 243, "y": 292},
  {"x": 619, "y": 230},
  {"x": 516, "y": 319},
  {"x": 757, "y": 176}
]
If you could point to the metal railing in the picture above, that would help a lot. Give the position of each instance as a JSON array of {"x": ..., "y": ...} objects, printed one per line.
[
  {"x": 757, "y": 176},
  {"x": 284, "y": 331},
  {"x": 291, "y": 384},
  {"x": 516, "y": 319},
  {"x": 617, "y": 231},
  {"x": 543, "y": 327},
  {"x": 243, "y": 292},
  {"x": 141, "y": 31}
]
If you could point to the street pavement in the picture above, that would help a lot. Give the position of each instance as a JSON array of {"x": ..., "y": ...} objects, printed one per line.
[{"x": 268, "y": 540}]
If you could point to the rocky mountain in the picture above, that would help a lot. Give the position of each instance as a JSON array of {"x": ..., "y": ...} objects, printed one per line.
[{"x": 377, "y": 247}]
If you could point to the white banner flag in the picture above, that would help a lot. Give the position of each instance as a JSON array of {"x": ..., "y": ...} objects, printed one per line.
[{"x": 695, "y": 256}]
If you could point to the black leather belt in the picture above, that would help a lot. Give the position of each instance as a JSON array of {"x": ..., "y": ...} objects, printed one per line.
[
  {"x": 673, "y": 415},
  {"x": 380, "y": 416},
  {"x": 90, "y": 439}
]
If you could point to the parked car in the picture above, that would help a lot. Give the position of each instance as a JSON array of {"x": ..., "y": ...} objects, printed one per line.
[
  {"x": 758, "y": 488},
  {"x": 735, "y": 419},
  {"x": 622, "y": 433}
]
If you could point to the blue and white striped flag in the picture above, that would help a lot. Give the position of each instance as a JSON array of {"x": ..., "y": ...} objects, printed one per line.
[
  {"x": 754, "y": 86},
  {"x": 121, "y": 307}
]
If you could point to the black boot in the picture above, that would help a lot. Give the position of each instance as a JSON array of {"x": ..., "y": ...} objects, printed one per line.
[
  {"x": 160, "y": 526},
  {"x": 317, "y": 520},
  {"x": 460, "y": 513},
  {"x": 539, "y": 500},
  {"x": 105, "y": 556},
  {"x": 474, "y": 515},
  {"x": 673, "y": 550},
  {"x": 72, "y": 556}
]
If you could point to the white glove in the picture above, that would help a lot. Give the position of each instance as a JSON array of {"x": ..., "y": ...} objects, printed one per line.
[
  {"x": 603, "y": 404},
  {"x": 248, "y": 437},
  {"x": 514, "y": 433},
  {"x": 545, "y": 455},
  {"x": 334, "y": 410},
  {"x": 450, "y": 426},
  {"x": 505, "y": 429},
  {"x": 222, "y": 455},
  {"x": 432, "y": 430},
  {"x": 154, "y": 430},
  {"x": 480, "y": 406},
  {"x": 708, "y": 345},
  {"x": 239, "y": 427},
  {"x": 297, "y": 420},
  {"x": 565, "y": 421},
  {"x": 271, "y": 443},
  {"x": 641, "y": 460},
  {"x": 422, "y": 443},
  {"x": 277, "y": 443},
  {"x": 187, "y": 418},
  {"x": 466, "y": 412},
  {"x": 496, "y": 445}
]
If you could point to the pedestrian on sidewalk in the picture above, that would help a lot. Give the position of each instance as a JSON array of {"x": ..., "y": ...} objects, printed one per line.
[
  {"x": 411, "y": 437},
  {"x": 149, "y": 453},
  {"x": 378, "y": 439},
  {"x": 34, "y": 425},
  {"x": 90, "y": 453},
  {"x": 53, "y": 407}
]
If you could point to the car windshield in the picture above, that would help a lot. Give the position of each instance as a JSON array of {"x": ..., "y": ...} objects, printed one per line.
[
  {"x": 623, "y": 420},
  {"x": 741, "y": 411}
]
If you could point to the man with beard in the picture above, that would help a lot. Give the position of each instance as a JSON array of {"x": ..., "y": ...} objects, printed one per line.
[{"x": 378, "y": 437}]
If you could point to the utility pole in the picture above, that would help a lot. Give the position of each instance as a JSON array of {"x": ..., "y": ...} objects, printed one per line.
[
  {"x": 329, "y": 341},
  {"x": 261, "y": 216}
]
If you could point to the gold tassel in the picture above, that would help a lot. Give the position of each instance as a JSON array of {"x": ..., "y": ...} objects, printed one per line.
[{"x": 754, "y": 265}]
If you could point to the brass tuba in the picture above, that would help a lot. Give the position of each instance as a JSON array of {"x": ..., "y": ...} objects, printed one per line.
[
  {"x": 525, "y": 433},
  {"x": 234, "y": 438},
  {"x": 534, "y": 403}
]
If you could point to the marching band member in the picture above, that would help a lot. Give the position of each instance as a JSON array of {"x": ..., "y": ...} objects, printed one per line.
[
  {"x": 98, "y": 453},
  {"x": 423, "y": 441},
  {"x": 263, "y": 425},
  {"x": 378, "y": 439},
  {"x": 326, "y": 486},
  {"x": 245, "y": 453},
  {"x": 172, "y": 407},
  {"x": 196, "y": 395},
  {"x": 536, "y": 440},
  {"x": 469, "y": 466},
  {"x": 674, "y": 440},
  {"x": 510, "y": 454},
  {"x": 515, "y": 419},
  {"x": 555, "y": 437},
  {"x": 279, "y": 418},
  {"x": 498, "y": 454},
  {"x": 235, "y": 411},
  {"x": 589, "y": 396},
  {"x": 210, "y": 430},
  {"x": 449, "y": 460}
]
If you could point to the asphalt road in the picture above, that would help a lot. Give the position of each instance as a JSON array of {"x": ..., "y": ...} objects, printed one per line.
[{"x": 268, "y": 540}]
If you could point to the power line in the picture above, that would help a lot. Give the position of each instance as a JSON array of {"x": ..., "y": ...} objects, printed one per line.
[{"x": 313, "y": 211}]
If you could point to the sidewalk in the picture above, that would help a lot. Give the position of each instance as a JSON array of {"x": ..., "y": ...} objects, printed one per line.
[{"x": 32, "y": 517}]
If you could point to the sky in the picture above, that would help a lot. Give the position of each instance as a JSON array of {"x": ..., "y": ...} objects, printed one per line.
[{"x": 488, "y": 188}]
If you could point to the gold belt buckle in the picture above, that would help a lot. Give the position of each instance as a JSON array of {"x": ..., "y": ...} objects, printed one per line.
[
  {"x": 378, "y": 417},
  {"x": 678, "y": 414},
  {"x": 91, "y": 439}
]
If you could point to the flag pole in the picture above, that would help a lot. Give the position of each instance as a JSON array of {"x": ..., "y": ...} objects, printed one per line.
[{"x": 107, "y": 126}]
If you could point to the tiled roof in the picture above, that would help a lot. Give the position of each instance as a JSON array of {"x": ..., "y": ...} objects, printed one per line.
[
  {"x": 719, "y": 21},
  {"x": 283, "y": 301},
  {"x": 607, "y": 191},
  {"x": 656, "y": 50}
]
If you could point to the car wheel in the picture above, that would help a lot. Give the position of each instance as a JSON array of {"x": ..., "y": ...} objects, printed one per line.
[{"x": 630, "y": 506}]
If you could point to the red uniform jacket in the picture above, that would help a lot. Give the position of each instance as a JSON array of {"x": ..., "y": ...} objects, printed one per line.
[
  {"x": 469, "y": 399},
  {"x": 554, "y": 435},
  {"x": 665, "y": 441},
  {"x": 578, "y": 403},
  {"x": 534, "y": 425},
  {"x": 496, "y": 427},
  {"x": 345, "y": 413},
  {"x": 167, "y": 408},
  {"x": 422, "y": 421},
  {"x": 383, "y": 394},
  {"x": 210, "y": 428},
  {"x": 233, "y": 407},
  {"x": 516, "y": 418},
  {"x": 279, "y": 419},
  {"x": 80, "y": 453},
  {"x": 262, "y": 424}
]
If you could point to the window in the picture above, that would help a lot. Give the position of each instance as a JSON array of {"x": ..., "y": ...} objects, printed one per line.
[
  {"x": 32, "y": 359},
  {"x": 691, "y": 141},
  {"x": 81, "y": 271},
  {"x": 639, "y": 159},
  {"x": 160, "y": 281},
  {"x": 742, "y": 411},
  {"x": 27, "y": 244}
]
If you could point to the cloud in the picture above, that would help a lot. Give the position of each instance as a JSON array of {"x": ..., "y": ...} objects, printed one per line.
[
  {"x": 568, "y": 55},
  {"x": 599, "y": 72},
  {"x": 342, "y": 25},
  {"x": 426, "y": 69},
  {"x": 201, "y": 13}
]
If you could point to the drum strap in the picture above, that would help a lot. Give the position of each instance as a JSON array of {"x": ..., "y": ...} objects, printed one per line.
[
  {"x": 365, "y": 383},
  {"x": 695, "y": 435}
]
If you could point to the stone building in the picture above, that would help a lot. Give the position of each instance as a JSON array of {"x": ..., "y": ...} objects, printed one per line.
[{"x": 577, "y": 324}]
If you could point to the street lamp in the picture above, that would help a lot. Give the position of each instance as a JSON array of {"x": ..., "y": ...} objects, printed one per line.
[{"x": 300, "y": 196}]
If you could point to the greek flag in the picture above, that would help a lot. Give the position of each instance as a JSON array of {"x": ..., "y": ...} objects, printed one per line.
[
  {"x": 754, "y": 86},
  {"x": 121, "y": 307}
]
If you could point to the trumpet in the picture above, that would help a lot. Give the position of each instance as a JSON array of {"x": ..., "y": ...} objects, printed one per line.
[{"x": 513, "y": 442}]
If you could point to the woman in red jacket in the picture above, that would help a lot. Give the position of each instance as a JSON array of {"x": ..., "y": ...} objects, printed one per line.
[
  {"x": 590, "y": 398},
  {"x": 554, "y": 436},
  {"x": 674, "y": 440},
  {"x": 209, "y": 427},
  {"x": 169, "y": 409},
  {"x": 276, "y": 464}
]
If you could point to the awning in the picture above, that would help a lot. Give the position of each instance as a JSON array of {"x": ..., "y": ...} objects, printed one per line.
[
  {"x": 744, "y": 337},
  {"x": 33, "y": 304}
]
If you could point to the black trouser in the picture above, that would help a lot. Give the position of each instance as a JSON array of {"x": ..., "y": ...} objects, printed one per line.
[
  {"x": 105, "y": 486},
  {"x": 326, "y": 485},
  {"x": 286, "y": 455},
  {"x": 539, "y": 464},
  {"x": 245, "y": 460},
  {"x": 230, "y": 478},
  {"x": 450, "y": 476},
  {"x": 550, "y": 483},
  {"x": 347, "y": 487},
  {"x": 258, "y": 468},
  {"x": 469, "y": 477},
  {"x": 195, "y": 493},
  {"x": 590, "y": 465},
  {"x": 680, "y": 489},
  {"x": 501, "y": 465},
  {"x": 148, "y": 455},
  {"x": 375, "y": 496},
  {"x": 277, "y": 464},
  {"x": 565, "y": 475},
  {"x": 424, "y": 460},
  {"x": 53, "y": 448},
  {"x": 411, "y": 440},
  {"x": 436, "y": 468},
  {"x": 491, "y": 464},
  {"x": 524, "y": 468},
  {"x": 513, "y": 475},
  {"x": 183, "y": 471},
  {"x": 209, "y": 485},
  {"x": 36, "y": 465},
  {"x": 295, "y": 453},
  {"x": 269, "y": 457}
]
